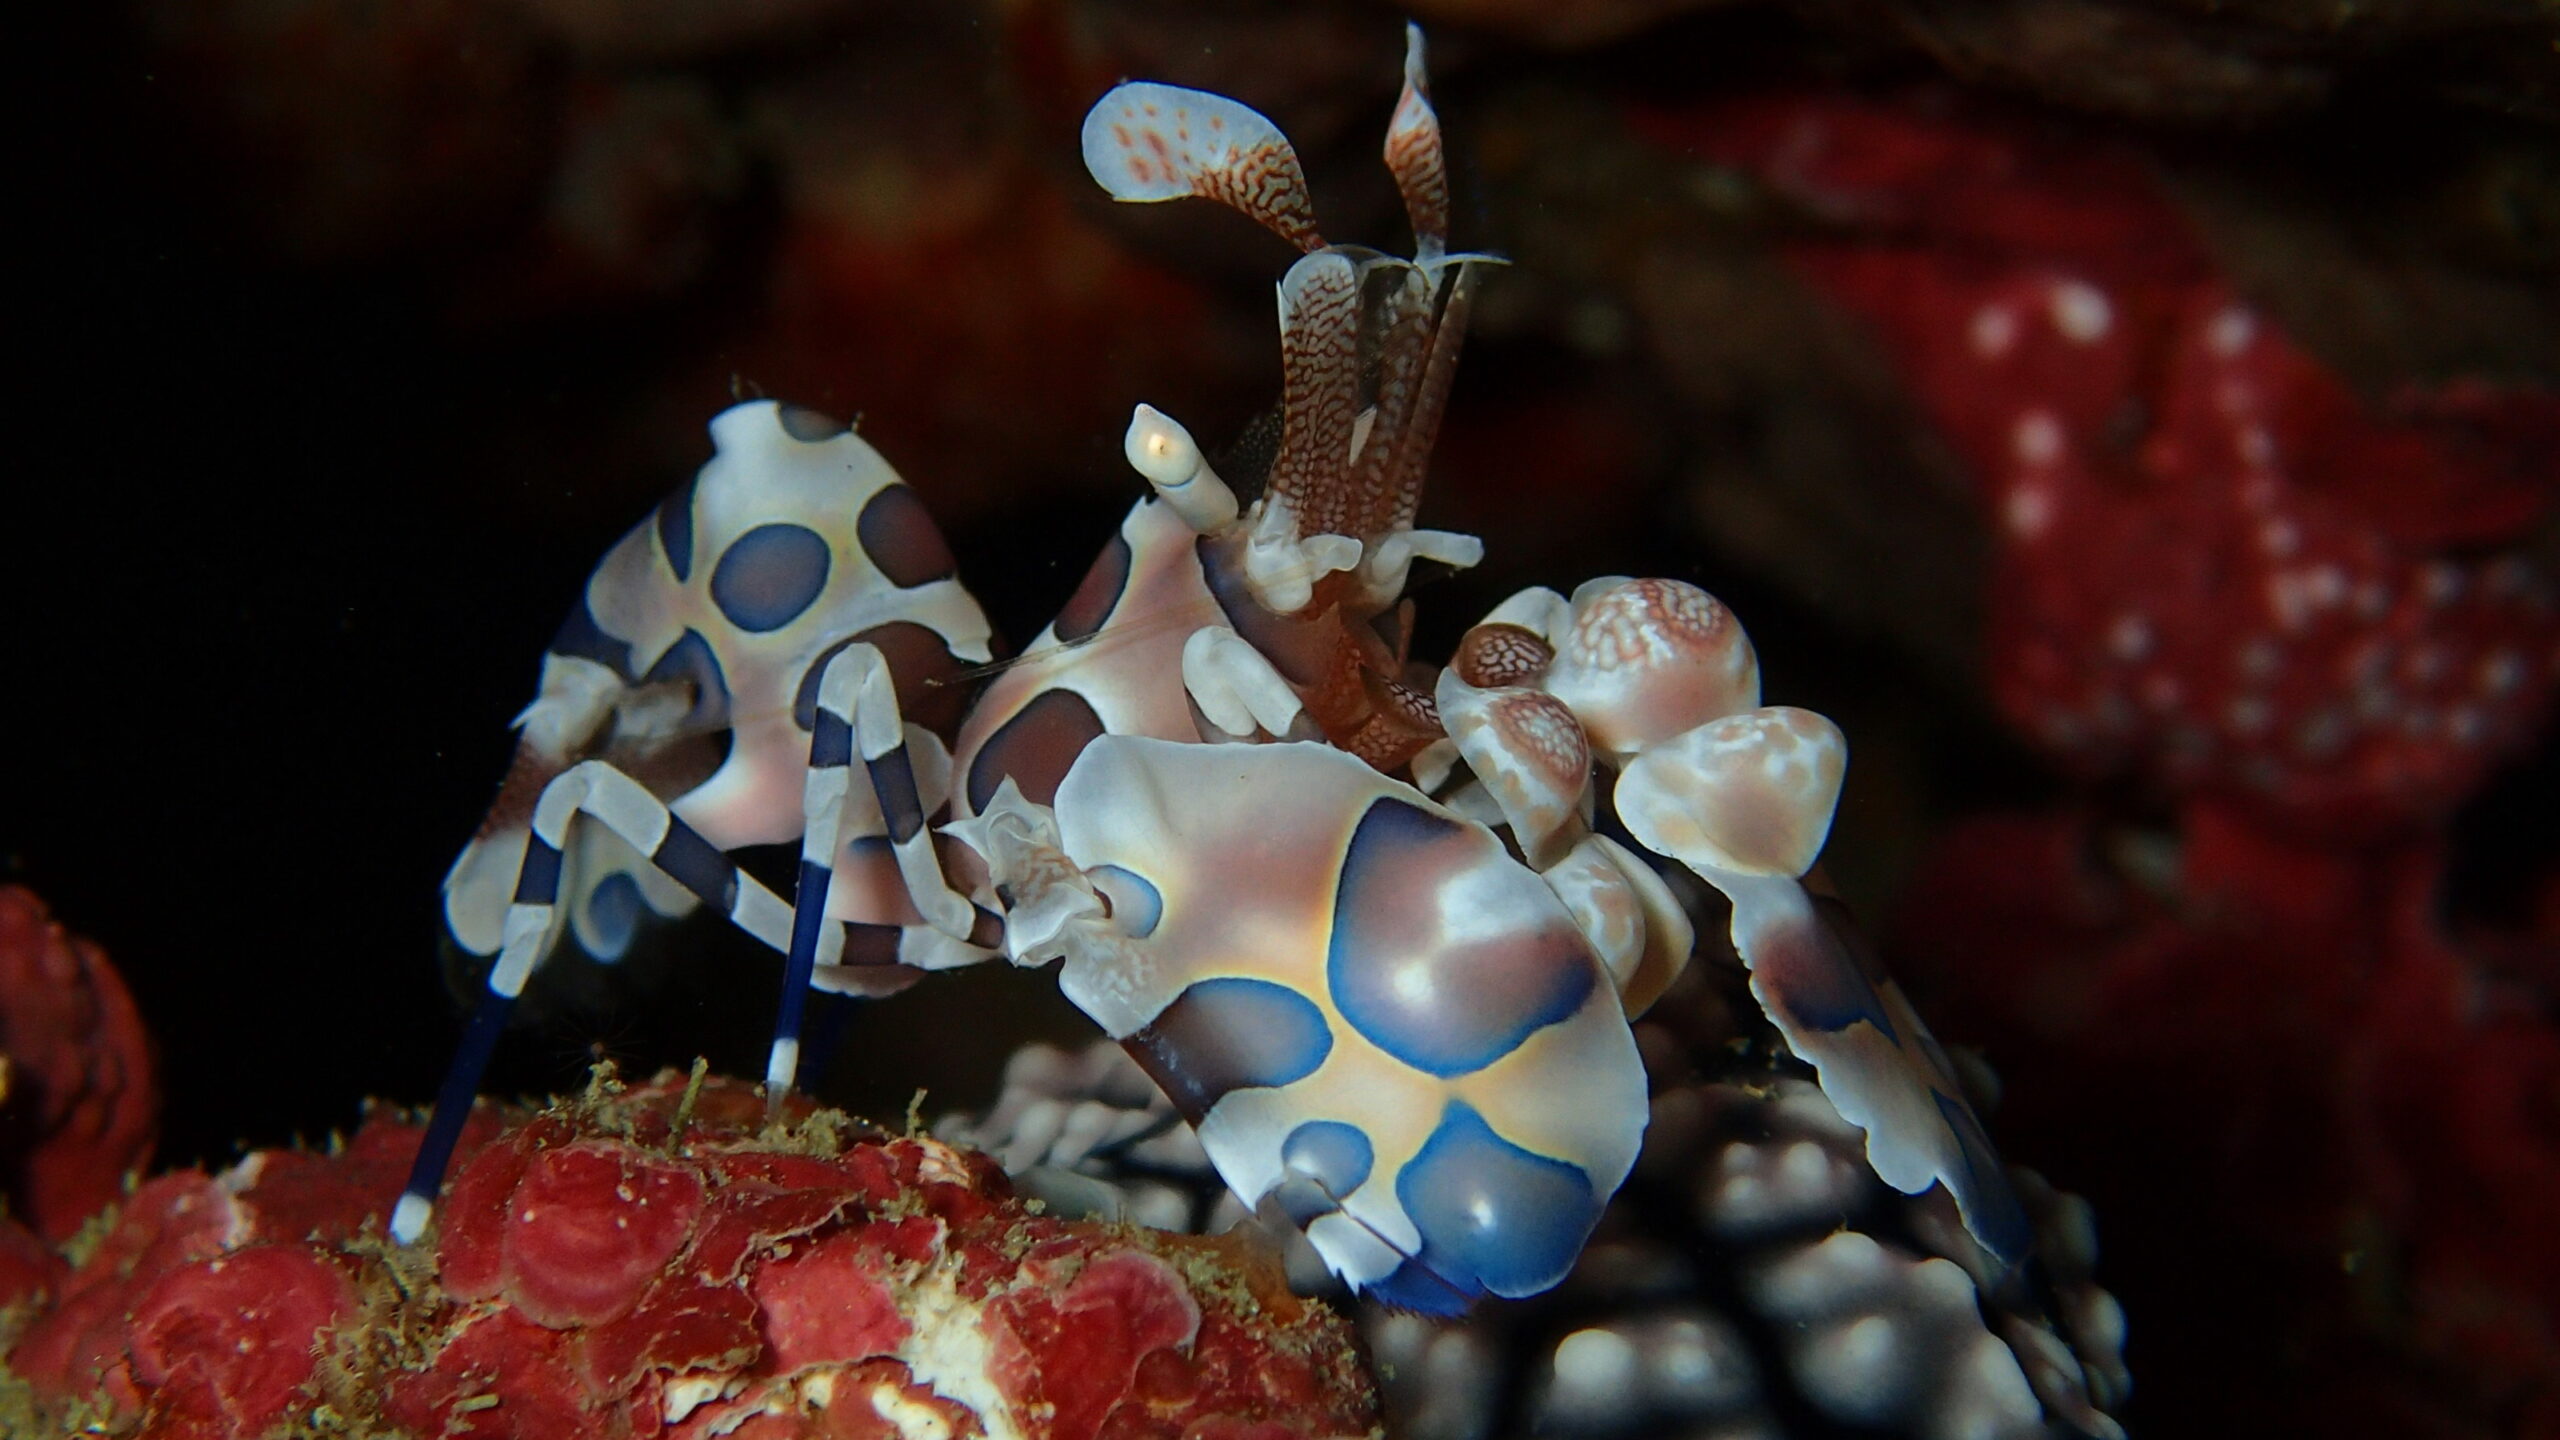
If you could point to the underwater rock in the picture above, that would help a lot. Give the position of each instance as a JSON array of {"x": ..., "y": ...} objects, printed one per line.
[
  {"x": 79, "y": 1098},
  {"x": 638, "y": 1262}
]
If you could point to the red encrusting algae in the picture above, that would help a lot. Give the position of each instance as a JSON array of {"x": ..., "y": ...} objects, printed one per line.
[
  {"x": 79, "y": 1102},
  {"x": 624, "y": 1264}
]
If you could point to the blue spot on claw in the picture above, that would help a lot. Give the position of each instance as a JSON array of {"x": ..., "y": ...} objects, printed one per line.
[
  {"x": 1329, "y": 1152},
  {"x": 1444, "y": 1004},
  {"x": 1228, "y": 1034},
  {"x": 1137, "y": 905},
  {"x": 1494, "y": 1217}
]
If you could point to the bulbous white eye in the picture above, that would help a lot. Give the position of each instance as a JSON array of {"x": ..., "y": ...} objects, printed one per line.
[
  {"x": 1646, "y": 660},
  {"x": 1750, "y": 794}
]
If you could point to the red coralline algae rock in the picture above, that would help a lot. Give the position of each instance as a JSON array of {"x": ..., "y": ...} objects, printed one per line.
[
  {"x": 80, "y": 1107},
  {"x": 588, "y": 1227},
  {"x": 224, "y": 1346},
  {"x": 603, "y": 1269},
  {"x": 2218, "y": 565}
]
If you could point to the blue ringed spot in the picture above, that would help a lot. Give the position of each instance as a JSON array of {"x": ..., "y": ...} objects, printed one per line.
[
  {"x": 1445, "y": 952},
  {"x": 1335, "y": 1155},
  {"x": 770, "y": 576},
  {"x": 613, "y": 915},
  {"x": 1494, "y": 1215},
  {"x": 1137, "y": 906}
]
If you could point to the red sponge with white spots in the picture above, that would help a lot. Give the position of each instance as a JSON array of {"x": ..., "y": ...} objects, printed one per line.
[{"x": 2217, "y": 565}]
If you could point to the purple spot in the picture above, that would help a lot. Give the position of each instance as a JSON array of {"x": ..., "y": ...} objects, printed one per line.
[
  {"x": 581, "y": 636},
  {"x": 1137, "y": 906},
  {"x": 770, "y": 576},
  {"x": 1230, "y": 1034},
  {"x": 922, "y": 669},
  {"x": 675, "y": 530},
  {"x": 1091, "y": 605},
  {"x": 691, "y": 661},
  {"x": 1447, "y": 1007},
  {"x": 1494, "y": 1217},
  {"x": 613, "y": 916},
  {"x": 903, "y": 543},
  {"x": 1808, "y": 973},
  {"x": 1036, "y": 747}
]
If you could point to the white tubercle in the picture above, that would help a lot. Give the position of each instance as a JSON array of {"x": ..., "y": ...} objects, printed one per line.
[
  {"x": 1388, "y": 562},
  {"x": 1282, "y": 568},
  {"x": 1236, "y": 689},
  {"x": 1165, "y": 455}
]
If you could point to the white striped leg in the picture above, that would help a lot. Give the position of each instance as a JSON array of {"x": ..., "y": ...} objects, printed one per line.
[
  {"x": 858, "y": 719},
  {"x": 857, "y": 715},
  {"x": 595, "y": 792}
]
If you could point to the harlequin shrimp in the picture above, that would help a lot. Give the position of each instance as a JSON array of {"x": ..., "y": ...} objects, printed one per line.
[{"x": 1383, "y": 966}]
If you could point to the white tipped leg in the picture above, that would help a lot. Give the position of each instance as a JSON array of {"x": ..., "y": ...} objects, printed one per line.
[
  {"x": 1384, "y": 569},
  {"x": 781, "y": 1070},
  {"x": 409, "y": 1219},
  {"x": 590, "y": 792}
]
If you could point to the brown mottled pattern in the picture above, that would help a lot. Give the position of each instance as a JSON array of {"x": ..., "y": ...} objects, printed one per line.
[
  {"x": 902, "y": 542},
  {"x": 1413, "y": 153},
  {"x": 1401, "y": 324},
  {"x": 1266, "y": 183},
  {"x": 1338, "y": 700},
  {"x": 1401, "y": 720},
  {"x": 1492, "y": 656},
  {"x": 1536, "y": 726},
  {"x": 1320, "y": 365},
  {"x": 1645, "y": 618},
  {"x": 1431, "y": 396}
]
